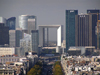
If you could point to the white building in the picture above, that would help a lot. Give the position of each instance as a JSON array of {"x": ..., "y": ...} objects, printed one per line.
[
  {"x": 27, "y": 22},
  {"x": 7, "y": 51},
  {"x": 59, "y": 35}
]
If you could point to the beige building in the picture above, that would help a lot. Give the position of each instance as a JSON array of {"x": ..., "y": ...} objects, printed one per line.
[{"x": 7, "y": 51}]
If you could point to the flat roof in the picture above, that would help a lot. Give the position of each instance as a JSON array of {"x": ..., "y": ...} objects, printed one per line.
[{"x": 50, "y": 26}]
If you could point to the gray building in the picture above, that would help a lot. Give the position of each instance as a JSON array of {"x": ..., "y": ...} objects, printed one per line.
[
  {"x": 19, "y": 35},
  {"x": 9, "y": 58},
  {"x": 12, "y": 38},
  {"x": 27, "y": 22},
  {"x": 85, "y": 30},
  {"x": 35, "y": 38}
]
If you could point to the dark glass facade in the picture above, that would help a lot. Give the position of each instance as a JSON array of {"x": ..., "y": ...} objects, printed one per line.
[
  {"x": 4, "y": 34},
  {"x": 70, "y": 27},
  {"x": 11, "y": 23},
  {"x": 94, "y": 22},
  {"x": 94, "y": 11}
]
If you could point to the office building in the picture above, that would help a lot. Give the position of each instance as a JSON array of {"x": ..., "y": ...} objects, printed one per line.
[
  {"x": 4, "y": 34},
  {"x": 42, "y": 35},
  {"x": 27, "y": 22},
  {"x": 35, "y": 38},
  {"x": 85, "y": 30},
  {"x": 11, "y": 23},
  {"x": 19, "y": 35},
  {"x": 3, "y": 20},
  {"x": 12, "y": 38},
  {"x": 94, "y": 12},
  {"x": 25, "y": 44},
  {"x": 7, "y": 51},
  {"x": 70, "y": 27}
]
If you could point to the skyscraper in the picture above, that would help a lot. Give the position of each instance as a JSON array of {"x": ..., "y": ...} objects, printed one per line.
[
  {"x": 35, "y": 42},
  {"x": 27, "y": 22},
  {"x": 85, "y": 30},
  {"x": 3, "y": 20},
  {"x": 70, "y": 27},
  {"x": 12, "y": 38},
  {"x": 94, "y": 13},
  {"x": 11, "y": 23},
  {"x": 18, "y": 36},
  {"x": 4, "y": 34}
]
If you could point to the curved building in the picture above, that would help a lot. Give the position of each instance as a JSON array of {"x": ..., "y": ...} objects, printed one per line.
[
  {"x": 11, "y": 23},
  {"x": 27, "y": 22},
  {"x": 2, "y": 20}
]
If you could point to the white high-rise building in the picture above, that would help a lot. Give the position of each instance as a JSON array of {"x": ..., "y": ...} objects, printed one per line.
[{"x": 27, "y": 22}]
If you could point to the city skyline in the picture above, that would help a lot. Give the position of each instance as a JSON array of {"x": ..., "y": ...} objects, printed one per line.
[{"x": 47, "y": 12}]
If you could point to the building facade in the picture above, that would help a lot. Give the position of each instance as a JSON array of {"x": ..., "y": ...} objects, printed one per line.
[
  {"x": 85, "y": 30},
  {"x": 12, "y": 38},
  {"x": 11, "y": 23},
  {"x": 70, "y": 27},
  {"x": 94, "y": 13},
  {"x": 27, "y": 22},
  {"x": 4, "y": 34},
  {"x": 3, "y": 20},
  {"x": 7, "y": 51},
  {"x": 25, "y": 44},
  {"x": 35, "y": 40},
  {"x": 19, "y": 35}
]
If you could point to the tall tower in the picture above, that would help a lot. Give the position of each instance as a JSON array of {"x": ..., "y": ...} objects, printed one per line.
[
  {"x": 12, "y": 38},
  {"x": 4, "y": 34},
  {"x": 70, "y": 27},
  {"x": 27, "y": 22},
  {"x": 95, "y": 16},
  {"x": 11, "y": 23},
  {"x": 83, "y": 30},
  {"x": 94, "y": 11},
  {"x": 35, "y": 38}
]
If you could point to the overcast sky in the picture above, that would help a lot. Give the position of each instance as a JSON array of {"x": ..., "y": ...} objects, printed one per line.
[{"x": 47, "y": 11}]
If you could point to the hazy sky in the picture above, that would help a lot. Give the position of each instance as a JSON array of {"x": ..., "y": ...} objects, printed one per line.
[{"x": 47, "y": 11}]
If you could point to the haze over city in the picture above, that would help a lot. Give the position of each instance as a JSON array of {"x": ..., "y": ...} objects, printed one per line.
[
  {"x": 49, "y": 37},
  {"x": 47, "y": 11}
]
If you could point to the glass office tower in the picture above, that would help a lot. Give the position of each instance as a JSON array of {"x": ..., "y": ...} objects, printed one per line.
[
  {"x": 4, "y": 34},
  {"x": 11, "y": 23},
  {"x": 27, "y": 22},
  {"x": 70, "y": 27}
]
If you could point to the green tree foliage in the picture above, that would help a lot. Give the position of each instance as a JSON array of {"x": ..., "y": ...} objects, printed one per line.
[
  {"x": 36, "y": 70},
  {"x": 57, "y": 70}
]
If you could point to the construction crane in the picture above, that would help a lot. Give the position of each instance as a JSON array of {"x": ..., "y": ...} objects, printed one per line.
[{"x": 98, "y": 21}]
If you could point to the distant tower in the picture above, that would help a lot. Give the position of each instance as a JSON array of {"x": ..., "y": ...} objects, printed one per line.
[
  {"x": 94, "y": 12},
  {"x": 84, "y": 30},
  {"x": 35, "y": 40},
  {"x": 70, "y": 27},
  {"x": 27, "y": 22},
  {"x": 4, "y": 34},
  {"x": 12, "y": 38},
  {"x": 11, "y": 23},
  {"x": 3, "y": 20}
]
